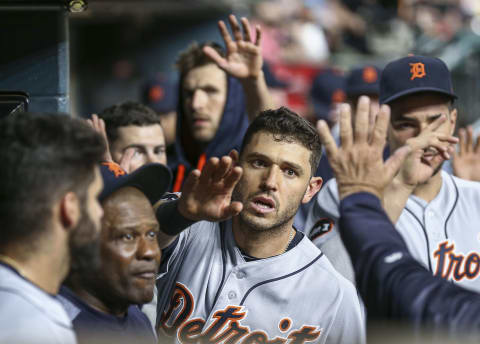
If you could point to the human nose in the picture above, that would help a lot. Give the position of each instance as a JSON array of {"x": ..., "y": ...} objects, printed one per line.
[
  {"x": 199, "y": 99},
  {"x": 270, "y": 181},
  {"x": 148, "y": 249}
]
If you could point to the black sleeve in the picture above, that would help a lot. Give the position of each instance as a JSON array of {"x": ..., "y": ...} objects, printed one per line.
[
  {"x": 170, "y": 220},
  {"x": 391, "y": 282}
]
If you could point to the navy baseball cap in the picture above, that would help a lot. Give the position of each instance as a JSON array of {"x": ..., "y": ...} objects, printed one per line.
[
  {"x": 152, "y": 179},
  {"x": 161, "y": 95},
  {"x": 363, "y": 80},
  {"x": 328, "y": 88},
  {"x": 414, "y": 74}
]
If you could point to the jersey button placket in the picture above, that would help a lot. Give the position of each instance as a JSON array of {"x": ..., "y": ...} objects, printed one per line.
[{"x": 232, "y": 295}]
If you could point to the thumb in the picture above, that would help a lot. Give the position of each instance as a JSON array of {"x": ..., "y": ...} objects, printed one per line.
[
  {"x": 232, "y": 210},
  {"x": 393, "y": 164}
]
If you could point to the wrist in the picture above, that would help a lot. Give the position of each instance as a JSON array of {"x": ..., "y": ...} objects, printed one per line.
[
  {"x": 252, "y": 80},
  {"x": 347, "y": 190}
]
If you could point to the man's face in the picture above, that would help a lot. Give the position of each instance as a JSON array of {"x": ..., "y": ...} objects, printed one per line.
[
  {"x": 276, "y": 175},
  {"x": 84, "y": 238},
  {"x": 147, "y": 141},
  {"x": 411, "y": 115},
  {"x": 129, "y": 252},
  {"x": 204, "y": 93}
]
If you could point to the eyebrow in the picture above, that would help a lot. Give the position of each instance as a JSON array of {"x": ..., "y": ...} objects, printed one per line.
[{"x": 291, "y": 164}]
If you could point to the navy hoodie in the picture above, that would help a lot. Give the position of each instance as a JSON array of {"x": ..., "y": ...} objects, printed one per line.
[{"x": 232, "y": 128}]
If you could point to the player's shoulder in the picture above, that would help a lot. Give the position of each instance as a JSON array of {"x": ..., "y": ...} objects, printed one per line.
[
  {"x": 325, "y": 275},
  {"x": 464, "y": 185}
]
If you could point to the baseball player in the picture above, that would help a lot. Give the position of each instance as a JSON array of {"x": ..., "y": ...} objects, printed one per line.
[
  {"x": 432, "y": 210},
  {"x": 254, "y": 277},
  {"x": 388, "y": 278}
]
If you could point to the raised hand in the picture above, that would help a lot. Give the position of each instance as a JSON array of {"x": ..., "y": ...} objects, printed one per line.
[
  {"x": 244, "y": 57},
  {"x": 207, "y": 195},
  {"x": 413, "y": 171},
  {"x": 358, "y": 163},
  {"x": 466, "y": 161},
  {"x": 98, "y": 125}
]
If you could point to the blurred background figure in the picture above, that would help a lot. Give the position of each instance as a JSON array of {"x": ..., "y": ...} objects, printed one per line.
[{"x": 161, "y": 95}]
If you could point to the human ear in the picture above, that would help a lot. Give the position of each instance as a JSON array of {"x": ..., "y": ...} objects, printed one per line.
[
  {"x": 313, "y": 187},
  {"x": 70, "y": 210}
]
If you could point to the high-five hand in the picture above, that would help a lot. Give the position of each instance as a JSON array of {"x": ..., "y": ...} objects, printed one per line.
[
  {"x": 207, "y": 195},
  {"x": 358, "y": 163},
  {"x": 244, "y": 56}
]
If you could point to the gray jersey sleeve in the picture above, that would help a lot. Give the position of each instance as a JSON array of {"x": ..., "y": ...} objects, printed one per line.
[{"x": 320, "y": 228}]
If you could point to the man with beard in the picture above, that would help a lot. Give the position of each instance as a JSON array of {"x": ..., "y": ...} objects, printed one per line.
[
  {"x": 254, "y": 277},
  {"x": 49, "y": 212},
  {"x": 432, "y": 210},
  {"x": 219, "y": 92},
  {"x": 103, "y": 298}
]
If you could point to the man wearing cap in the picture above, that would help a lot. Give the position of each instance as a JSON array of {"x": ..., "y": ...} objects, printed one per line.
[
  {"x": 161, "y": 95},
  {"x": 103, "y": 299},
  {"x": 49, "y": 214},
  {"x": 434, "y": 212}
]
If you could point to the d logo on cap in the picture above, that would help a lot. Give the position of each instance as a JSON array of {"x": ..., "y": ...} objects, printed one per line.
[{"x": 417, "y": 70}]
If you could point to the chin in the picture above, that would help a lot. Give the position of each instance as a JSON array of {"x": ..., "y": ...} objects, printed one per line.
[{"x": 259, "y": 223}]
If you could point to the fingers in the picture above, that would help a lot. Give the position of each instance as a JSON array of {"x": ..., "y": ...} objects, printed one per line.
[
  {"x": 126, "y": 159},
  {"x": 379, "y": 133},
  {"x": 469, "y": 139},
  {"x": 237, "y": 32},
  {"x": 395, "y": 162},
  {"x": 234, "y": 155},
  {"x": 191, "y": 182},
  {"x": 233, "y": 178},
  {"x": 233, "y": 209},
  {"x": 224, "y": 32},
  {"x": 223, "y": 168},
  {"x": 215, "y": 56},
  {"x": 361, "y": 119},
  {"x": 346, "y": 135},
  {"x": 462, "y": 135},
  {"x": 327, "y": 140},
  {"x": 208, "y": 170},
  {"x": 258, "y": 32},
  {"x": 436, "y": 123},
  {"x": 246, "y": 29}
]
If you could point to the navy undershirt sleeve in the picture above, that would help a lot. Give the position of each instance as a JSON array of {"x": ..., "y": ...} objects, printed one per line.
[{"x": 391, "y": 282}]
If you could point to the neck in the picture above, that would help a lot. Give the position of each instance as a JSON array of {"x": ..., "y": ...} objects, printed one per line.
[
  {"x": 262, "y": 244},
  {"x": 94, "y": 299},
  {"x": 42, "y": 269},
  {"x": 429, "y": 190}
]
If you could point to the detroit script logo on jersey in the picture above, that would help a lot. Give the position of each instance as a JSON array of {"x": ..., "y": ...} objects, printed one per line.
[
  {"x": 456, "y": 266},
  {"x": 227, "y": 325}
]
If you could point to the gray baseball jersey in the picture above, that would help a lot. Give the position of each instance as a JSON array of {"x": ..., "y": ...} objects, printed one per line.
[
  {"x": 30, "y": 315},
  {"x": 443, "y": 234},
  {"x": 210, "y": 293}
]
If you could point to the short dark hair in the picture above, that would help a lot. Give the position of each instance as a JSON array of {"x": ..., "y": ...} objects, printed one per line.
[
  {"x": 44, "y": 156},
  {"x": 125, "y": 114},
  {"x": 286, "y": 125},
  {"x": 194, "y": 57}
]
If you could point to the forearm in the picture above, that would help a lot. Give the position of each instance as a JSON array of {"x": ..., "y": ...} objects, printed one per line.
[
  {"x": 395, "y": 198},
  {"x": 257, "y": 95},
  {"x": 391, "y": 282}
]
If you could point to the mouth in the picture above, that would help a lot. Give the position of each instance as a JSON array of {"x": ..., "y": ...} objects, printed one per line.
[
  {"x": 146, "y": 275},
  {"x": 200, "y": 121},
  {"x": 263, "y": 204}
]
